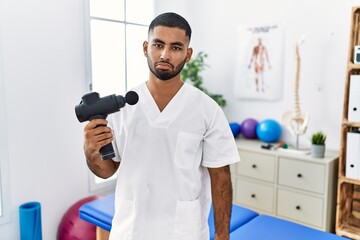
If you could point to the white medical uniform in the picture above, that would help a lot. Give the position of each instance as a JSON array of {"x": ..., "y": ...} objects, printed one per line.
[{"x": 163, "y": 187}]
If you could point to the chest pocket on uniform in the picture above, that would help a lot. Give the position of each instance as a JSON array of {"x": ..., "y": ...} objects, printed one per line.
[{"x": 188, "y": 150}]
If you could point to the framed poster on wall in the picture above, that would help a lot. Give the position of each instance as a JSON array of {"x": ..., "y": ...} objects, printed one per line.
[{"x": 259, "y": 62}]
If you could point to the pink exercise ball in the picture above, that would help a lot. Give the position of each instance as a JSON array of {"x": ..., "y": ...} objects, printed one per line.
[{"x": 72, "y": 227}]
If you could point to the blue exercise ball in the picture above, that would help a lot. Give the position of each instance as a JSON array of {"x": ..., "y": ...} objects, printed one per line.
[
  {"x": 235, "y": 128},
  {"x": 268, "y": 130},
  {"x": 248, "y": 128}
]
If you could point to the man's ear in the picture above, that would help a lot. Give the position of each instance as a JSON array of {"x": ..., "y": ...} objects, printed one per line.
[
  {"x": 145, "y": 46},
  {"x": 189, "y": 53}
]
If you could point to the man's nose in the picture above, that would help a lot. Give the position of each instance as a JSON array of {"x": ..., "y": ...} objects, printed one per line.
[{"x": 165, "y": 54}]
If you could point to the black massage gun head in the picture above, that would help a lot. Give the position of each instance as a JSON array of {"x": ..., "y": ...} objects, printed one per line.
[
  {"x": 131, "y": 97},
  {"x": 92, "y": 106}
]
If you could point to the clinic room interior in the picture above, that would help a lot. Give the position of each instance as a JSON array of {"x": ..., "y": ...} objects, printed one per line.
[{"x": 283, "y": 72}]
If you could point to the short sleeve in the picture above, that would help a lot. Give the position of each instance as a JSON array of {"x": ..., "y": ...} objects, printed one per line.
[{"x": 219, "y": 147}]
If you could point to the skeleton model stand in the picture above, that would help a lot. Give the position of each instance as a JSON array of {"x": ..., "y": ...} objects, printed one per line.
[{"x": 295, "y": 120}]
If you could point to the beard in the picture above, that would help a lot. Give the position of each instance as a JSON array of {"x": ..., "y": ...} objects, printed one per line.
[{"x": 166, "y": 75}]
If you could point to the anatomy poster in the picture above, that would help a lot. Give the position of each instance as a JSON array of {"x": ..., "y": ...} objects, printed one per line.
[{"x": 259, "y": 62}]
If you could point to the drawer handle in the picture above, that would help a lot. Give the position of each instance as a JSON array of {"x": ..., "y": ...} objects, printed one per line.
[
  {"x": 299, "y": 175},
  {"x": 298, "y": 207},
  {"x": 254, "y": 166},
  {"x": 253, "y": 195}
]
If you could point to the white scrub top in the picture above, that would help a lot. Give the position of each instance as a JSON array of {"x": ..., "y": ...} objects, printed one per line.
[{"x": 163, "y": 185}]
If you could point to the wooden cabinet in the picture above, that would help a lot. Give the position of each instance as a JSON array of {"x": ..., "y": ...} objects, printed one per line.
[
  {"x": 348, "y": 198},
  {"x": 292, "y": 186}
]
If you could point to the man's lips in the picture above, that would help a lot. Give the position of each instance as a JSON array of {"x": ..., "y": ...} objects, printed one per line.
[{"x": 163, "y": 66}]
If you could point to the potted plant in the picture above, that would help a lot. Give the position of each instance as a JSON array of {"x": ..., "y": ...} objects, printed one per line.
[
  {"x": 318, "y": 144},
  {"x": 191, "y": 71}
]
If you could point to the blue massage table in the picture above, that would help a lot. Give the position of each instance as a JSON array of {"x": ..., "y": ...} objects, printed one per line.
[
  {"x": 245, "y": 224},
  {"x": 101, "y": 211},
  {"x": 272, "y": 228}
]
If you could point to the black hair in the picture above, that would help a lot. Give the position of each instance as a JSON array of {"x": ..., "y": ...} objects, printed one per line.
[{"x": 172, "y": 20}]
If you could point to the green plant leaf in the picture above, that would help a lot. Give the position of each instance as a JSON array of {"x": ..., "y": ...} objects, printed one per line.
[
  {"x": 191, "y": 71},
  {"x": 318, "y": 138}
]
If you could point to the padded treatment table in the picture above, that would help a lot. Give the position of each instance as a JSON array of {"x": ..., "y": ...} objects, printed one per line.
[
  {"x": 272, "y": 228},
  {"x": 101, "y": 211}
]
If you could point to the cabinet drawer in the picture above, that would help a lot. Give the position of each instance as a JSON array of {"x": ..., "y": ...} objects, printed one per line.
[
  {"x": 303, "y": 175},
  {"x": 300, "y": 207},
  {"x": 255, "y": 195},
  {"x": 257, "y": 166}
]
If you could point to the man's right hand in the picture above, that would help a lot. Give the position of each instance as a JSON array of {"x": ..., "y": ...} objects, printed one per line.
[{"x": 96, "y": 135}]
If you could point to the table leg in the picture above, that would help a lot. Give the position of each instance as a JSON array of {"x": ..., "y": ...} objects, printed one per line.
[{"x": 102, "y": 234}]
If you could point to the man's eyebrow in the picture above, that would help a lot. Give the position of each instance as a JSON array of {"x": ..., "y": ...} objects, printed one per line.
[
  {"x": 156, "y": 40},
  {"x": 177, "y": 44}
]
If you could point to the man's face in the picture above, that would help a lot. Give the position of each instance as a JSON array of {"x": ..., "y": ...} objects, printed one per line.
[{"x": 167, "y": 52}]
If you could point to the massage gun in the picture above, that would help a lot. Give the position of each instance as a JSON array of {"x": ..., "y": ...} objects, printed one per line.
[{"x": 93, "y": 107}]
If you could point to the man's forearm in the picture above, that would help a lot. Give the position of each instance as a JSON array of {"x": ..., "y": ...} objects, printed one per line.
[
  {"x": 101, "y": 168},
  {"x": 221, "y": 189}
]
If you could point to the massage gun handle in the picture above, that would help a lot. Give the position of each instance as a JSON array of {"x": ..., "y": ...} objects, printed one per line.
[{"x": 107, "y": 151}]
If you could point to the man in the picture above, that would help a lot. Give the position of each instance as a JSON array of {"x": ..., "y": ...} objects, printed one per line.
[
  {"x": 173, "y": 148},
  {"x": 258, "y": 57}
]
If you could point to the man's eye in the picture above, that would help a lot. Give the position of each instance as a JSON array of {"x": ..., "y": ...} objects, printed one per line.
[
  {"x": 157, "y": 45},
  {"x": 177, "y": 48}
]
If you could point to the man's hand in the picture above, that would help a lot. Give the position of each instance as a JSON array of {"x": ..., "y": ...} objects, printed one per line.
[
  {"x": 97, "y": 135},
  {"x": 221, "y": 190}
]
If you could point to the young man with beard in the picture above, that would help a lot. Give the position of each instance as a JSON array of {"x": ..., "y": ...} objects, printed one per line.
[{"x": 173, "y": 149}]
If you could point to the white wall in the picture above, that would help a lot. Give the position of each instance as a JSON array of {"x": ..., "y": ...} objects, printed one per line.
[
  {"x": 43, "y": 69},
  {"x": 324, "y": 54},
  {"x": 44, "y": 73}
]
